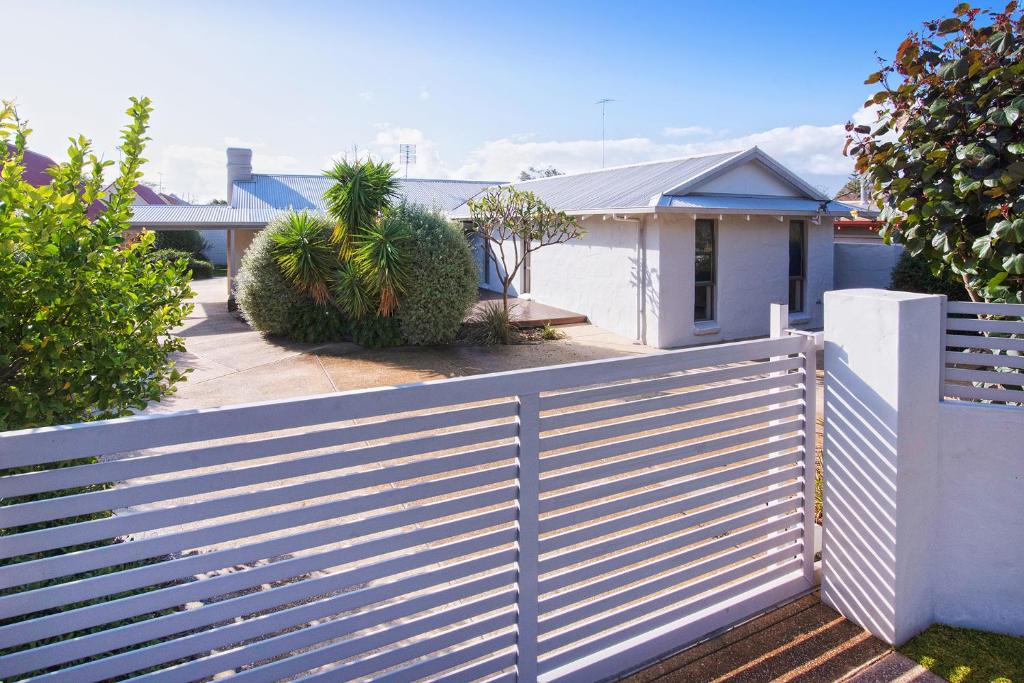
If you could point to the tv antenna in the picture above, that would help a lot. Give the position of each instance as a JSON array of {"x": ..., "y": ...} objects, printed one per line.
[
  {"x": 603, "y": 102},
  {"x": 407, "y": 155}
]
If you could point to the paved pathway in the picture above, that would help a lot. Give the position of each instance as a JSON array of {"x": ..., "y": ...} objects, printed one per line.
[{"x": 231, "y": 363}]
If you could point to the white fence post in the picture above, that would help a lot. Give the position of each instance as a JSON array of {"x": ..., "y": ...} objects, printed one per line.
[
  {"x": 810, "y": 451},
  {"x": 881, "y": 458},
  {"x": 528, "y": 521},
  {"x": 779, "y": 321}
]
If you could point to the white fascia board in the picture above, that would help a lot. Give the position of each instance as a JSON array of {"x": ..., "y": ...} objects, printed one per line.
[{"x": 752, "y": 154}]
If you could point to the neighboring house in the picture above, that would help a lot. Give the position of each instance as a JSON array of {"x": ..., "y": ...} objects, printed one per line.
[
  {"x": 35, "y": 174},
  {"x": 255, "y": 199},
  {"x": 677, "y": 252},
  {"x": 862, "y": 259},
  {"x": 686, "y": 251}
]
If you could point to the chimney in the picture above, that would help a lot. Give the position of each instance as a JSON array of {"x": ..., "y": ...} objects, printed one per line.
[{"x": 239, "y": 167}]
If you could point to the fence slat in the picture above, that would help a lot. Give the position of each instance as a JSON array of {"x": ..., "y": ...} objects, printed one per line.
[
  {"x": 961, "y": 341},
  {"x": 683, "y": 604},
  {"x": 646, "y": 386},
  {"x": 181, "y": 460},
  {"x": 602, "y": 622},
  {"x": 602, "y": 490},
  {"x": 977, "y": 393},
  {"x": 622, "y": 576},
  {"x": 625, "y": 427},
  {"x": 212, "y": 613},
  {"x": 982, "y": 325},
  {"x": 971, "y": 308},
  {"x": 181, "y": 487},
  {"x": 633, "y": 464},
  {"x": 182, "y": 622},
  {"x": 985, "y": 376},
  {"x": 589, "y": 513},
  {"x": 674, "y": 400},
  {"x": 119, "y": 525},
  {"x": 392, "y": 657},
  {"x": 988, "y": 360},
  {"x": 652, "y": 541},
  {"x": 437, "y": 664}
]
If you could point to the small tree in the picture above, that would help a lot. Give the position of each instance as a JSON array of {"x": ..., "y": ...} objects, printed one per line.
[
  {"x": 86, "y": 316},
  {"x": 946, "y": 154},
  {"x": 534, "y": 172},
  {"x": 517, "y": 223}
]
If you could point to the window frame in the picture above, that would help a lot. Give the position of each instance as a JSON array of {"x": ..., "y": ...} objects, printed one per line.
[
  {"x": 709, "y": 287},
  {"x": 799, "y": 281}
]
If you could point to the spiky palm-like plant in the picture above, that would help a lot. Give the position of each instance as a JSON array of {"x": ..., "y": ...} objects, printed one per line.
[
  {"x": 305, "y": 255},
  {"x": 352, "y": 293},
  {"x": 363, "y": 193},
  {"x": 383, "y": 259}
]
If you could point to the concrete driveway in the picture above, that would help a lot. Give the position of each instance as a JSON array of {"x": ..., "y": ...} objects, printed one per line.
[{"x": 232, "y": 363}]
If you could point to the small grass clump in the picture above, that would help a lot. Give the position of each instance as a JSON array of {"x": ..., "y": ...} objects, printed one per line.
[
  {"x": 963, "y": 655},
  {"x": 549, "y": 332},
  {"x": 493, "y": 325}
]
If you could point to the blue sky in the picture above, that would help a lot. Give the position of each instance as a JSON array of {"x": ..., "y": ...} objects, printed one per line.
[{"x": 483, "y": 89}]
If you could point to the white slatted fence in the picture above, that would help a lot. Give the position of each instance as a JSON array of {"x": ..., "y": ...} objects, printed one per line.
[
  {"x": 567, "y": 523},
  {"x": 984, "y": 352}
]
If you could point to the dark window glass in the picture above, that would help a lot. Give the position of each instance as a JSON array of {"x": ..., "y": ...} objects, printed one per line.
[
  {"x": 797, "y": 265},
  {"x": 704, "y": 270}
]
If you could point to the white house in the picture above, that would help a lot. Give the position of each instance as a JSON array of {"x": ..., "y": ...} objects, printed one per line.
[
  {"x": 679, "y": 252},
  {"x": 685, "y": 251}
]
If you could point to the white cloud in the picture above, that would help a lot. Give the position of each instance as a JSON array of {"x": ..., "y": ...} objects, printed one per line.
[
  {"x": 429, "y": 163},
  {"x": 424, "y": 94},
  {"x": 687, "y": 131},
  {"x": 198, "y": 172},
  {"x": 815, "y": 152},
  {"x": 365, "y": 96}
]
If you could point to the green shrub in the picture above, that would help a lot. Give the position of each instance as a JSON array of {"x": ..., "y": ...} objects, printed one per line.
[
  {"x": 550, "y": 333},
  {"x": 913, "y": 274},
  {"x": 493, "y": 325},
  {"x": 270, "y": 304},
  {"x": 200, "y": 269},
  {"x": 189, "y": 241},
  {"x": 442, "y": 283}
]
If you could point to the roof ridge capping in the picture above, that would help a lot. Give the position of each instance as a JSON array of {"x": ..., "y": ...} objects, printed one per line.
[{"x": 754, "y": 153}]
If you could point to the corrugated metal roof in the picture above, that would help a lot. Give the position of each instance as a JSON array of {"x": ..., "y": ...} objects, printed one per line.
[
  {"x": 622, "y": 187},
  {"x": 307, "y": 192},
  {"x": 739, "y": 204},
  {"x": 165, "y": 216}
]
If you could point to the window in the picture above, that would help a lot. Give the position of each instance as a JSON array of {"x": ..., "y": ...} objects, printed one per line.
[
  {"x": 704, "y": 270},
  {"x": 797, "y": 265}
]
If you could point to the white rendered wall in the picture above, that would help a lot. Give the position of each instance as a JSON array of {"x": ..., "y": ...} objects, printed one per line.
[
  {"x": 979, "y": 559},
  {"x": 596, "y": 275},
  {"x": 751, "y": 178},
  {"x": 752, "y": 272},
  {"x": 216, "y": 246},
  {"x": 865, "y": 265},
  {"x": 923, "y": 498}
]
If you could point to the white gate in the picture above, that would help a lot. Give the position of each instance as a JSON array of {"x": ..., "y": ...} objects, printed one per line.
[{"x": 567, "y": 522}]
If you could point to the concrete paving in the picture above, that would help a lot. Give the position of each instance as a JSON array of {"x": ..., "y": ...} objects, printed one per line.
[{"x": 232, "y": 363}]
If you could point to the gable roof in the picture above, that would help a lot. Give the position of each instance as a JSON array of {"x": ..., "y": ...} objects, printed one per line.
[{"x": 673, "y": 184}]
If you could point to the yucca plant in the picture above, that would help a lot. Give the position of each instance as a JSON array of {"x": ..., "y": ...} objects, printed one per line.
[
  {"x": 305, "y": 255},
  {"x": 362, "y": 194},
  {"x": 351, "y": 292},
  {"x": 383, "y": 259}
]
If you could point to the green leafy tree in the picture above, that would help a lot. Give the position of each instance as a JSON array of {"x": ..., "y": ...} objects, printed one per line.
[
  {"x": 534, "y": 172},
  {"x": 86, "y": 319},
  {"x": 946, "y": 154},
  {"x": 515, "y": 223}
]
